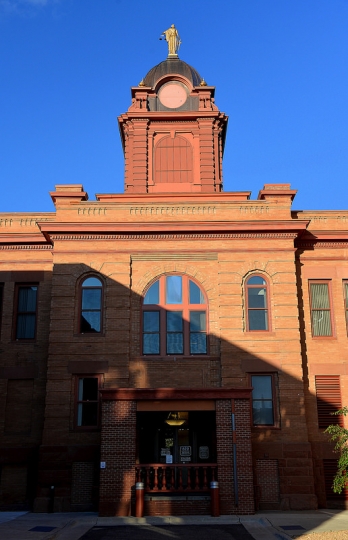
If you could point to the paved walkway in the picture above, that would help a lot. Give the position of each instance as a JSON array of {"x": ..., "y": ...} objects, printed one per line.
[
  {"x": 174, "y": 532},
  {"x": 261, "y": 526}
]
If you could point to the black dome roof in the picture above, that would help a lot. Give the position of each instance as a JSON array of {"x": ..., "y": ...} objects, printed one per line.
[{"x": 169, "y": 67}]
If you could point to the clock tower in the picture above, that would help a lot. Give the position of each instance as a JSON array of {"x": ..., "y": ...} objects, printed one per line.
[{"x": 173, "y": 134}]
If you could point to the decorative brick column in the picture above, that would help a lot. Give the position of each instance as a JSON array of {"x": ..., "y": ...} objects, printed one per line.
[
  {"x": 224, "y": 436},
  {"x": 224, "y": 455},
  {"x": 118, "y": 452},
  {"x": 244, "y": 457}
]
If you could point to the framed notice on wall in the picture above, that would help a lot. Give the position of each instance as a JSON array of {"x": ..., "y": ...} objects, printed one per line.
[{"x": 203, "y": 452}]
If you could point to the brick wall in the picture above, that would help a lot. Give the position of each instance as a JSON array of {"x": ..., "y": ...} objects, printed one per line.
[
  {"x": 184, "y": 506},
  {"x": 13, "y": 485},
  {"x": 19, "y": 403},
  {"x": 82, "y": 483},
  {"x": 244, "y": 457},
  {"x": 267, "y": 479},
  {"x": 118, "y": 452},
  {"x": 225, "y": 455},
  {"x": 23, "y": 373}
]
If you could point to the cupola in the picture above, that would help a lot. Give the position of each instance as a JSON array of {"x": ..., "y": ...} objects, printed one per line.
[{"x": 173, "y": 133}]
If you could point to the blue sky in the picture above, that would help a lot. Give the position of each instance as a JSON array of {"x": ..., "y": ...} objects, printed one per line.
[{"x": 280, "y": 68}]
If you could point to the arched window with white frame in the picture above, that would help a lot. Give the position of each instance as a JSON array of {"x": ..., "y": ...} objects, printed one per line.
[
  {"x": 91, "y": 305},
  {"x": 257, "y": 303}
]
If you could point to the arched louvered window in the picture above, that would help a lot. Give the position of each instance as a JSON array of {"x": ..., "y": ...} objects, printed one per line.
[
  {"x": 256, "y": 292},
  {"x": 173, "y": 160},
  {"x": 91, "y": 305},
  {"x": 174, "y": 317}
]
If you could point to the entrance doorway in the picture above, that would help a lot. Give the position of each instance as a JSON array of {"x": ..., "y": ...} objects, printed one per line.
[
  {"x": 176, "y": 437},
  {"x": 176, "y": 450}
]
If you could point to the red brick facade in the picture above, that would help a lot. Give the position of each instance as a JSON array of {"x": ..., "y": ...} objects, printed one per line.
[{"x": 85, "y": 396}]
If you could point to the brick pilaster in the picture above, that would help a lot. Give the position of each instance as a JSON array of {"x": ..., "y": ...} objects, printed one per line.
[
  {"x": 207, "y": 157},
  {"x": 118, "y": 453},
  {"x": 224, "y": 435},
  {"x": 244, "y": 457}
]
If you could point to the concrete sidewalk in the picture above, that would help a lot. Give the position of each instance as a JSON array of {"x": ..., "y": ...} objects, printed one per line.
[{"x": 262, "y": 526}]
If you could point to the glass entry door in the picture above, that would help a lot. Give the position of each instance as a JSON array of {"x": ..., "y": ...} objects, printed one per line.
[{"x": 175, "y": 445}]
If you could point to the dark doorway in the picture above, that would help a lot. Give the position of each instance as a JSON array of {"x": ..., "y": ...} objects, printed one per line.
[
  {"x": 176, "y": 450},
  {"x": 176, "y": 437}
]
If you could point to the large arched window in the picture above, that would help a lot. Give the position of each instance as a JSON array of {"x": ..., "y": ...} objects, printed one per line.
[
  {"x": 256, "y": 292},
  {"x": 173, "y": 160},
  {"x": 174, "y": 317},
  {"x": 91, "y": 305}
]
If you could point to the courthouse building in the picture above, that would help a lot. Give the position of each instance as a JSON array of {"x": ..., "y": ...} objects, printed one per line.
[{"x": 173, "y": 334}]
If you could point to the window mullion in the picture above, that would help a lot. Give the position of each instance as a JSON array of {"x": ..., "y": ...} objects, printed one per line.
[
  {"x": 186, "y": 314},
  {"x": 186, "y": 328},
  {"x": 163, "y": 331}
]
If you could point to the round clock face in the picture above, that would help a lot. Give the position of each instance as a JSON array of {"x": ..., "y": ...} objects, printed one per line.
[{"x": 172, "y": 95}]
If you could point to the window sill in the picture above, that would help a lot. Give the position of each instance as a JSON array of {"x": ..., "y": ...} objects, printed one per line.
[
  {"x": 273, "y": 428},
  {"x": 324, "y": 337},
  {"x": 85, "y": 429},
  {"x": 89, "y": 335},
  {"x": 176, "y": 357},
  {"x": 261, "y": 333},
  {"x": 24, "y": 340}
]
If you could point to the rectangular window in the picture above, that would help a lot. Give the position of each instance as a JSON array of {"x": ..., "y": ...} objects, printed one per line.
[
  {"x": 151, "y": 332},
  {"x": 175, "y": 333},
  {"x": 328, "y": 392},
  {"x": 345, "y": 285},
  {"x": 87, "y": 406},
  {"x": 1, "y": 297},
  {"x": 90, "y": 311},
  {"x": 198, "y": 334},
  {"x": 91, "y": 305},
  {"x": 174, "y": 290},
  {"x": 263, "y": 400},
  {"x": 320, "y": 306},
  {"x": 26, "y": 311}
]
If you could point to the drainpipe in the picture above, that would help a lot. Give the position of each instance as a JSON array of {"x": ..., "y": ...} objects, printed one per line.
[{"x": 234, "y": 450}]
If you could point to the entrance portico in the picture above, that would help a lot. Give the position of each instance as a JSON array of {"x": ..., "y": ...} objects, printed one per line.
[{"x": 176, "y": 460}]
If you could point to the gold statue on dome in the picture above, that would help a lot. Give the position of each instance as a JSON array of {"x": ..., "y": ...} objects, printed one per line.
[{"x": 173, "y": 39}]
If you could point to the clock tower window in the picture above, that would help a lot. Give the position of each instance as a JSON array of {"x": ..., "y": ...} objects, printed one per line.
[{"x": 173, "y": 160}]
